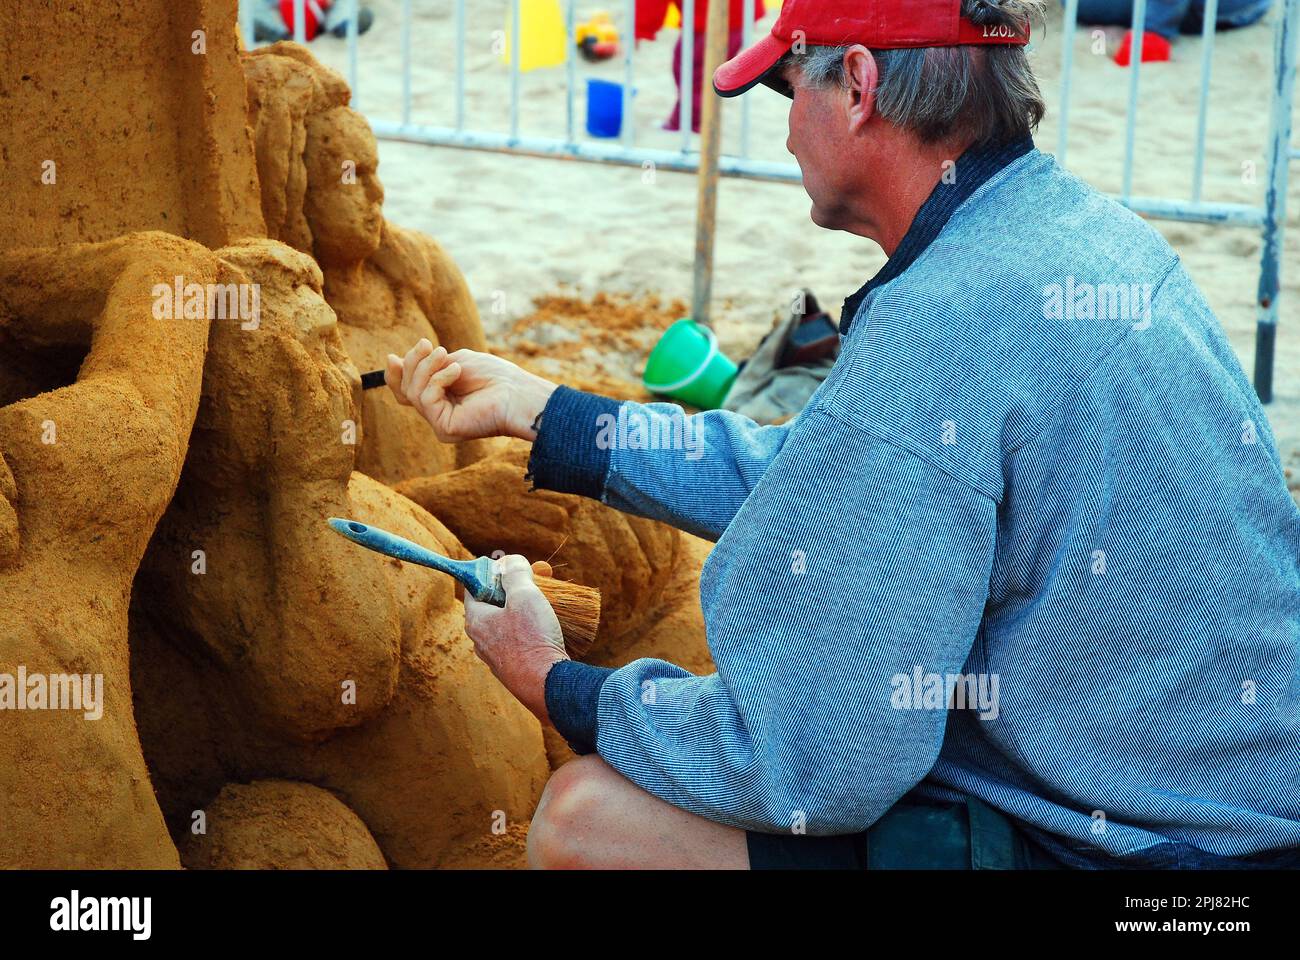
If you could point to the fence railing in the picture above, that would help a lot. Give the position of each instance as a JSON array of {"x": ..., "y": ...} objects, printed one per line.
[{"x": 1268, "y": 216}]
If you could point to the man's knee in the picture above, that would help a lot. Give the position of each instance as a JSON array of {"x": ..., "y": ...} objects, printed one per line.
[{"x": 568, "y": 809}]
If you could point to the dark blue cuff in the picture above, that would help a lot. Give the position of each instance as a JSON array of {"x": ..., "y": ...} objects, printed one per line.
[
  {"x": 566, "y": 457},
  {"x": 572, "y": 698}
]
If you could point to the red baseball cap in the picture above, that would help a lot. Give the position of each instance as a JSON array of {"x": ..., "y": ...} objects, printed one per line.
[{"x": 878, "y": 24}]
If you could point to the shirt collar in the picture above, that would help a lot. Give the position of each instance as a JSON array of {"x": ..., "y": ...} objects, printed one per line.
[{"x": 976, "y": 166}]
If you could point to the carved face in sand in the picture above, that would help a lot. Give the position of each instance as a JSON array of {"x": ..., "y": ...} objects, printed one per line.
[
  {"x": 297, "y": 347},
  {"x": 344, "y": 201},
  {"x": 270, "y": 459}
]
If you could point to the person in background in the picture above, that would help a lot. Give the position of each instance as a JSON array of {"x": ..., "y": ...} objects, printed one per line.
[
  {"x": 1165, "y": 19},
  {"x": 650, "y": 15},
  {"x": 273, "y": 19}
]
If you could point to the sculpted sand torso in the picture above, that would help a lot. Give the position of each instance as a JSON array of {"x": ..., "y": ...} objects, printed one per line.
[
  {"x": 315, "y": 660},
  {"x": 389, "y": 286},
  {"x": 318, "y": 163}
]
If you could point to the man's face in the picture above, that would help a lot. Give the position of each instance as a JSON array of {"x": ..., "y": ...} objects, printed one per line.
[{"x": 821, "y": 141}]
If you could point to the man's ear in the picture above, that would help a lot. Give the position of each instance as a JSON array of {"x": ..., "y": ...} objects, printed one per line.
[{"x": 862, "y": 73}]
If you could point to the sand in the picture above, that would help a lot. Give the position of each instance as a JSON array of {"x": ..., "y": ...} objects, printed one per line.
[
  {"x": 390, "y": 287},
  {"x": 320, "y": 705},
  {"x": 100, "y": 96},
  {"x": 165, "y": 480},
  {"x": 521, "y": 228},
  {"x": 598, "y": 344},
  {"x": 88, "y": 469},
  {"x": 316, "y": 661},
  {"x": 280, "y": 825},
  {"x": 629, "y": 559}
]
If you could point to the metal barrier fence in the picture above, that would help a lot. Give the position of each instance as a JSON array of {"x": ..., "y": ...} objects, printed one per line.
[{"x": 1269, "y": 216}]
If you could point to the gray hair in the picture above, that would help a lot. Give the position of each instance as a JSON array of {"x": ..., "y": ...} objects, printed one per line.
[{"x": 983, "y": 93}]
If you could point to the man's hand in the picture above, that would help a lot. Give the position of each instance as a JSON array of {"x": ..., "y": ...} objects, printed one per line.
[
  {"x": 467, "y": 395},
  {"x": 521, "y": 641}
]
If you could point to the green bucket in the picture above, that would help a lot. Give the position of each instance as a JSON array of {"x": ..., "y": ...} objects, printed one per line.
[{"x": 687, "y": 365}]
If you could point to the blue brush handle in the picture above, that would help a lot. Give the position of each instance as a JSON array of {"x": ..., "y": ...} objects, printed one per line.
[{"x": 479, "y": 576}]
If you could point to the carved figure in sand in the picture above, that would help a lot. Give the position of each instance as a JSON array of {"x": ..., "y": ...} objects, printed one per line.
[
  {"x": 390, "y": 287},
  {"x": 294, "y": 654},
  {"x": 317, "y": 161},
  {"x": 280, "y": 825},
  {"x": 97, "y": 397}
]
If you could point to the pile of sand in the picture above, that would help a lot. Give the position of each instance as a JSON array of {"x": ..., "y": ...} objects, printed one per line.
[{"x": 598, "y": 344}]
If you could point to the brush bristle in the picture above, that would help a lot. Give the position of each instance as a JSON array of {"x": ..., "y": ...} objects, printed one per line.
[{"x": 577, "y": 607}]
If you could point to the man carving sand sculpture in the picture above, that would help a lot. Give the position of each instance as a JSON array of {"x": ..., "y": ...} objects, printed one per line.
[{"x": 1023, "y": 574}]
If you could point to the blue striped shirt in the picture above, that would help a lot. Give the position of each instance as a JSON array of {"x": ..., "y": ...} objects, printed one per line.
[{"x": 1030, "y": 541}]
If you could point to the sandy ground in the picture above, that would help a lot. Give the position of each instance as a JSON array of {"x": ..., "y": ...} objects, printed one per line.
[{"x": 522, "y": 228}]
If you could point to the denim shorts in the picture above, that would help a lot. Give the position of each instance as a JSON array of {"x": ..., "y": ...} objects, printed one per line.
[{"x": 969, "y": 835}]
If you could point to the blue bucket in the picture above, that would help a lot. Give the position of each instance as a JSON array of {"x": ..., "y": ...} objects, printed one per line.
[{"x": 604, "y": 108}]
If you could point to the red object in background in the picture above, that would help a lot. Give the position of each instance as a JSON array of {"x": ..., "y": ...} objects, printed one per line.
[
  {"x": 1155, "y": 48},
  {"x": 734, "y": 42},
  {"x": 313, "y": 16},
  {"x": 650, "y": 15}
]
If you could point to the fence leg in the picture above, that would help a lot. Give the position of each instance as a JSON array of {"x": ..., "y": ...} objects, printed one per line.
[
  {"x": 1279, "y": 150},
  {"x": 246, "y": 24},
  {"x": 715, "y": 52}
]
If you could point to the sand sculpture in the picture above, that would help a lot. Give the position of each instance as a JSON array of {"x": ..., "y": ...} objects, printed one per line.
[
  {"x": 290, "y": 620},
  {"x": 391, "y": 286},
  {"x": 83, "y": 360},
  {"x": 276, "y": 672},
  {"x": 634, "y": 562},
  {"x": 281, "y": 825},
  {"x": 317, "y": 164},
  {"x": 123, "y": 117}
]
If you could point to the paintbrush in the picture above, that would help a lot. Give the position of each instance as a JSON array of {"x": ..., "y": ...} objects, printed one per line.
[{"x": 577, "y": 607}]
